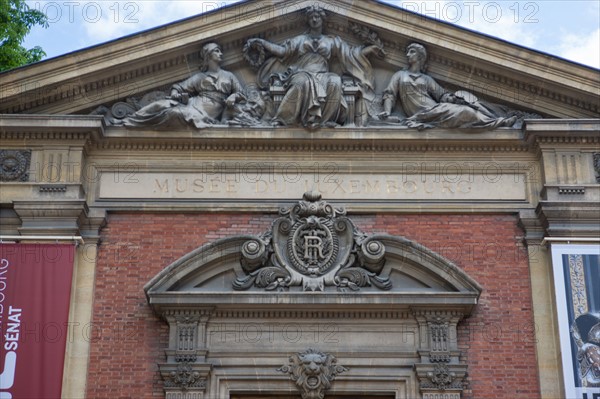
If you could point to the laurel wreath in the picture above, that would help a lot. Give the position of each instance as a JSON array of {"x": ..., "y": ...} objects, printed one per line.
[
  {"x": 254, "y": 54},
  {"x": 368, "y": 36}
]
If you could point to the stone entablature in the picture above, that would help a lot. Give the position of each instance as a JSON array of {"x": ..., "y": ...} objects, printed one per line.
[{"x": 76, "y": 158}]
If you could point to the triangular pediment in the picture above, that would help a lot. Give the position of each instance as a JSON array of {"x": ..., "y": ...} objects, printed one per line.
[{"x": 492, "y": 69}]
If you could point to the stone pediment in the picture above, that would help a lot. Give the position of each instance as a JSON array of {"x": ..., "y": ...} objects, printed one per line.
[
  {"x": 493, "y": 70},
  {"x": 313, "y": 249}
]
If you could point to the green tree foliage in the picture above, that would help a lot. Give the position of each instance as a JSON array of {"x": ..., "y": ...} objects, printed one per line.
[{"x": 16, "y": 21}]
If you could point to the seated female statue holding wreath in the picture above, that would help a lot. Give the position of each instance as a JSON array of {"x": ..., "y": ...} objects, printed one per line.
[{"x": 309, "y": 66}]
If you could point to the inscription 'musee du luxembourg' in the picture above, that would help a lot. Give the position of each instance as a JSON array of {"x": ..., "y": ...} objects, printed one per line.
[{"x": 349, "y": 186}]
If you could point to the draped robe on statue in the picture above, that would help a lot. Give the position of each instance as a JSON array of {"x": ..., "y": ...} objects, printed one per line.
[
  {"x": 308, "y": 73},
  {"x": 207, "y": 94},
  {"x": 421, "y": 96}
]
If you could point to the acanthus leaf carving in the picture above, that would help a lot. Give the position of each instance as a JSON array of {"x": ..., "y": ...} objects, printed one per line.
[
  {"x": 312, "y": 245},
  {"x": 184, "y": 377},
  {"x": 442, "y": 378}
]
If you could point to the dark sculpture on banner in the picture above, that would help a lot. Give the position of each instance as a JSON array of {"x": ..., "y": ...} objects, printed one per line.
[
  {"x": 585, "y": 331},
  {"x": 312, "y": 245}
]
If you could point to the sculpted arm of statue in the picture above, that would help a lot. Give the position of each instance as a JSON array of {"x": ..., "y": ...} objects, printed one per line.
[
  {"x": 390, "y": 95},
  {"x": 234, "y": 98},
  {"x": 273, "y": 48},
  {"x": 373, "y": 50},
  {"x": 438, "y": 93},
  {"x": 175, "y": 95},
  {"x": 182, "y": 91},
  {"x": 237, "y": 94},
  {"x": 388, "y": 104}
]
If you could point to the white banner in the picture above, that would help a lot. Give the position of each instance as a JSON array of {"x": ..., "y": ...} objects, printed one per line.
[{"x": 577, "y": 283}]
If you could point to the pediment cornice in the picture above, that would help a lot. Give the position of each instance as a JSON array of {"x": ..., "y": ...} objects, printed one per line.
[{"x": 497, "y": 70}]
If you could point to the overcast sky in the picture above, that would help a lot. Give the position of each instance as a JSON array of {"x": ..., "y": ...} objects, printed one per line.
[{"x": 568, "y": 29}]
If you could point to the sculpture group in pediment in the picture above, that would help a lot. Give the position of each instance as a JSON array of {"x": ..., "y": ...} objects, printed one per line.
[{"x": 315, "y": 81}]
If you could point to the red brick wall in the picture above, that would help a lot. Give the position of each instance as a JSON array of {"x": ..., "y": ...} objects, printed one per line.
[
  {"x": 128, "y": 340},
  {"x": 498, "y": 338}
]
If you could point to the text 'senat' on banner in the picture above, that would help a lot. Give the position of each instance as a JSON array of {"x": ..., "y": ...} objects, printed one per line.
[{"x": 35, "y": 289}]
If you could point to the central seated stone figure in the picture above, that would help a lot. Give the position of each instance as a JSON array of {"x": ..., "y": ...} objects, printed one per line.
[{"x": 309, "y": 68}]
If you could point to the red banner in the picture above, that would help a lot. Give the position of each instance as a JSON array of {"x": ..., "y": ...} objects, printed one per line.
[{"x": 35, "y": 287}]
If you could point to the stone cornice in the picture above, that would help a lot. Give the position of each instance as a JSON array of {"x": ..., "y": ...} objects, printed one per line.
[
  {"x": 319, "y": 301},
  {"x": 555, "y": 132},
  {"x": 316, "y": 146},
  {"x": 37, "y": 130},
  {"x": 570, "y": 218},
  {"x": 40, "y": 130},
  {"x": 297, "y": 139},
  {"x": 109, "y": 85},
  {"x": 386, "y": 316},
  {"x": 518, "y": 92},
  {"x": 87, "y": 78}
]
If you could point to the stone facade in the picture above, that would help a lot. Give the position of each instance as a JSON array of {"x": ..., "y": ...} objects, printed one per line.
[{"x": 434, "y": 282}]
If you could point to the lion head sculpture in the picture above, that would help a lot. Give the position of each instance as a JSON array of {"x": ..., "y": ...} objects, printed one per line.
[{"x": 312, "y": 371}]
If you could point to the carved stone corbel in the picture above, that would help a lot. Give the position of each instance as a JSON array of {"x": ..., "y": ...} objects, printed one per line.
[
  {"x": 440, "y": 371},
  {"x": 186, "y": 372},
  {"x": 184, "y": 377},
  {"x": 313, "y": 372},
  {"x": 441, "y": 380}
]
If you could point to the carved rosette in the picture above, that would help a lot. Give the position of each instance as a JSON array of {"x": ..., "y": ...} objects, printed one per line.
[
  {"x": 312, "y": 245},
  {"x": 313, "y": 372},
  {"x": 14, "y": 165}
]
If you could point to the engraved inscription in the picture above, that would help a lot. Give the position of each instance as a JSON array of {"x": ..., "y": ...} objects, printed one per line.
[{"x": 350, "y": 186}]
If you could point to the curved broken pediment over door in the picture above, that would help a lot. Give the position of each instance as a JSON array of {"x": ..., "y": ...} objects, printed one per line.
[{"x": 252, "y": 314}]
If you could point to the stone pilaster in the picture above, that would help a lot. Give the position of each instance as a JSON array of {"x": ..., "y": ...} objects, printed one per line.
[
  {"x": 186, "y": 372},
  {"x": 440, "y": 373}
]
